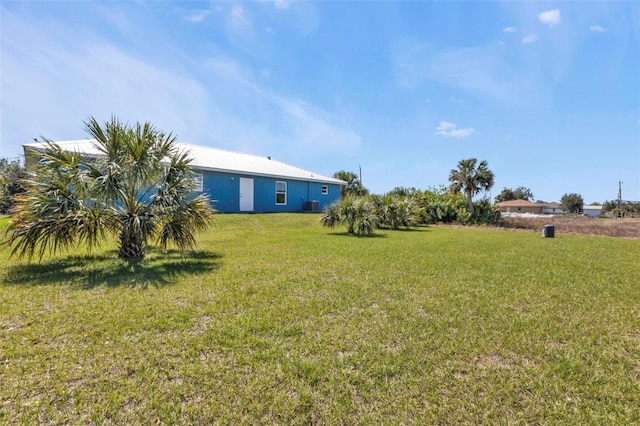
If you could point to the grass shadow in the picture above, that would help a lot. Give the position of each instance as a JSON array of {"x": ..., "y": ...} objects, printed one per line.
[
  {"x": 346, "y": 234},
  {"x": 159, "y": 268},
  {"x": 406, "y": 229}
]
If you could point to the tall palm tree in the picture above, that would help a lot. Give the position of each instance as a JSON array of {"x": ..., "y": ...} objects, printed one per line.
[
  {"x": 139, "y": 188},
  {"x": 471, "y": 179},
  {"x": 353, "y": 186}
]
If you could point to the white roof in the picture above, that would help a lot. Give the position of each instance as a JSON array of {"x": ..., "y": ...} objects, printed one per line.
[{"x": 214, "y": 159}]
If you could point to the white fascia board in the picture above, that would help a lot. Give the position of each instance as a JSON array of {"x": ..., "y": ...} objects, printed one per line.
[
  {"x": 199, "y": 159},
  {"x": 269, "y": 175}
]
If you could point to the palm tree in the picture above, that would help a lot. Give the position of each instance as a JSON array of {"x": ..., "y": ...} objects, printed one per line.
[
  {"x": 139, "y": 188},
  {"x": 395, "y": 211},
  {"x": 356, "y": 213},
  {"x": 353, "y": 186},
  {"x": 471, "y": 180}
]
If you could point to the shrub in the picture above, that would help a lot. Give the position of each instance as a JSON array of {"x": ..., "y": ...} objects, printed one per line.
[
  {"x": 356, "y": 213},
  {"x": 12, "y": 172},
  {"x": 438, "y": 205},
  {"x": 395, "y": 211},
  {"x": 486, "y": 213}
]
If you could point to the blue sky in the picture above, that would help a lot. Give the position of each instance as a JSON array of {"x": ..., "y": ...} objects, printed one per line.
[{"x": 547, "y": 92}]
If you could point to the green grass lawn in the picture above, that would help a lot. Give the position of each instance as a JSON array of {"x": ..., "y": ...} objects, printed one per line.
[{"x": 276, "y": 320}]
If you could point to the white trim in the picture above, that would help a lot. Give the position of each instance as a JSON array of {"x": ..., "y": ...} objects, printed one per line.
[
  {"x": 281, "y": 193},
  {"x": 217, "y": 160}
]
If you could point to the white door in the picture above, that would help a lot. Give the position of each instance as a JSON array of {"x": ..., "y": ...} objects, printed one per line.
[{"x": 246, "y": 195}]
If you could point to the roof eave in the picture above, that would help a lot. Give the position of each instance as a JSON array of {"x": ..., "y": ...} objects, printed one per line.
[
  {"x": 271, "y": 175},
  {"x": 41, "y": 147}
]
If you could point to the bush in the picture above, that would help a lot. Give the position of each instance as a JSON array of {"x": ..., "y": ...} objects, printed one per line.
[
  {"x": 408, "y": 207},
  {"x": 11, "y": 175},
  {"x": 396, "y": 211},
  {"x": 486, "y": 213},
  {"x": 441, "y": 206},
  {"x": 356, "y": 213}
]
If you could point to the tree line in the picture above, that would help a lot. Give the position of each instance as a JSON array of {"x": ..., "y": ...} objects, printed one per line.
[
  {"x": 361, "y": 212},
  {"x": 571, "y": 202}
]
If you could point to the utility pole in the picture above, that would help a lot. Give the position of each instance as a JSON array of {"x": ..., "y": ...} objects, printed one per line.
[{"x": 620, "y": 198}]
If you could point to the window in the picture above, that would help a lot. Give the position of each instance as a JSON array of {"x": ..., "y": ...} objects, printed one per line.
[
  {"x": 325, "y": 189},
  {"x": 281, "y": 192},
  {"x": 198, "y": 180}
]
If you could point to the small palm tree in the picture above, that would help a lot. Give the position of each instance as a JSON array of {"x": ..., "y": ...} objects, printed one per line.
[
  {"x": 396, "y": 212},
  {"x": 140, "y": 188},
  {"x": 471, "y": 179},
  {"x": 356, "y": 213}
]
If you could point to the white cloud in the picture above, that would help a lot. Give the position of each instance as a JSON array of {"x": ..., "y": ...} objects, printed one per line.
[
  {"x": 281, "y": 4},
  {"x": 481, "y": 71},
  {"x": 451, "y": 130},
  {"x": 550, "y": 17},
  {"x": 274, "y": 122},
  {"x": 510, "y": 30},
  {"x": 445, "y": 125},
  {"x": 238, "y": 17},
  {"x": 300, "y": 15},
  {"x": 100, "y": 80},
  {"x": 529, "y": 39},
  {"x": 597, "y": 29},
  {"x": 240, "y": 31},
  {"x": 69, "y": 75},
  {"x": 198, "y": 16}
]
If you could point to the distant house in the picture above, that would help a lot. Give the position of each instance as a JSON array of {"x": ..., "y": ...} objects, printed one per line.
[
  {"x": 553, "y": 208},
  {"x": 238, "y": 182},
  {"x": 592, "y": 211},
  {"x": 519, "y": 206}
]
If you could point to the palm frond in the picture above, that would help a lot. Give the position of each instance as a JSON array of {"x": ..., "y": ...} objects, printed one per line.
[
  {"x": 139, "y": 188},
  {"x": 330, "y": 215},
  {"x": 184, "y": 220}
]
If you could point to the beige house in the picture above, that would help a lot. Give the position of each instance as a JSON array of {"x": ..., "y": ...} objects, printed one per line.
[{"x": 519, "y": 206}]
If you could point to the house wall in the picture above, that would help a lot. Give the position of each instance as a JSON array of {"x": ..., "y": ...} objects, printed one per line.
[
  {"x": 553, "y": 210},
  {"x": 536, "y": 210},
  {"x": 224, "y": 188},
  {"x": 591, "y": 212}
]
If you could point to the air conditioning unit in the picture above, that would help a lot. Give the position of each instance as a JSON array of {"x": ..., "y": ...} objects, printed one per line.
[{"x": 312, "y": 206}]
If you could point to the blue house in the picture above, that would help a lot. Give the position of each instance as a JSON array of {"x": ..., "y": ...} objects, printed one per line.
[{"x": 241, "y": 182}]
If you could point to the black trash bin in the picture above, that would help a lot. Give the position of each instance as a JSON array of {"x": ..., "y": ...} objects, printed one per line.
[{"x": 549, "y": 231}]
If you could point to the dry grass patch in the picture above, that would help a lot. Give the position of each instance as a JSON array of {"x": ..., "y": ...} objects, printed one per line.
[{"x": 578, "y": 225}]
